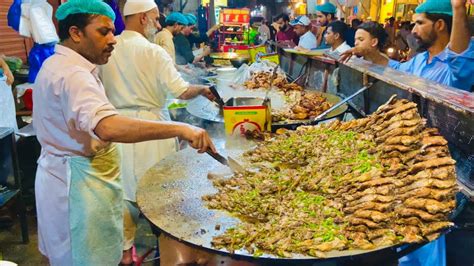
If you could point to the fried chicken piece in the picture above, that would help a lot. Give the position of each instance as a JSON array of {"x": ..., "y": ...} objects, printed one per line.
[
  {"x": 370, "y": 197},
  {"x": 433, "y": 141},
  {"x": 375, "y": 216},
  {"x": 380, "y": 190},
  {"x": 425, "y": 192},
  {"x": 430, "y": 132},
  {"x": 391, "y": 104},
  {"x": 410, "y": 131},
  {"x": 415, "y": 221},
  {"x": 430, "y": 205},
  {"x": 375, "y": 182},
  {"x": 430, "y": 156},
  {"x": 433, "y": 183},
  {"x": 433, "y": 236},
  {"x": 358, "y": 228},
  {"x": 408, "y": 212},
  {"x": 399, "y": 109},
  {"x": 407, "y": 115},
  {"x": 385, "y": 240},
  {"x": 431, "y": 228},
  {"x": 442, "y": 173},
  {"x": 336, "y": 244},
  {"x": 402, "y": 140},
  {"x": 372, "y": 234},
  {"x": 411, "y": 234},
  {"x": 370, "y": 205},
  {"x": 400, "y": 148},
  {"x": 399, "y": 124},
  {"x": 432, "y": 163},
  {"x": 361, "y": 221},
  {"x": 359, "y": 240}
]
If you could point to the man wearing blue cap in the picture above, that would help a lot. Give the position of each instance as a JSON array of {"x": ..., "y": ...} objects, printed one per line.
[
  {"x": 325, "y": 14},
  {"x": 78, "y": 188},
  {"x": 196, "y": 39},
  {"x": 183, "y": 47},
  {"x": 174, "y": 24}
]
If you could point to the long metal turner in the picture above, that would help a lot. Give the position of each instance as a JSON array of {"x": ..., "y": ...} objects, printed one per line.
[
  {"x": 337, "y": 105},
  {"x": 230, "y": 162},
  {"x": 216, "y": 94},
  {"x": 272, "y": 78}
]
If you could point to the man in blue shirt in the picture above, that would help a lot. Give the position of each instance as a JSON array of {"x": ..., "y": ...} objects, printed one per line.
[
  {"x": 325, "y": 14},
  {"x": 442, "y": 31}
]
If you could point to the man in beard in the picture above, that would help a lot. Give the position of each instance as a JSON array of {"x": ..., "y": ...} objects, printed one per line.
[
  {"x": 442, "y": 33},
  {"x": 325, "y": 14},
  {"x": 137, "y": 79},
  {"x": 285, "y": 33}
]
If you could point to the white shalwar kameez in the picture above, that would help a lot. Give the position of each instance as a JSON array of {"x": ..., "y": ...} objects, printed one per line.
[{"x": 79, "y": 197}]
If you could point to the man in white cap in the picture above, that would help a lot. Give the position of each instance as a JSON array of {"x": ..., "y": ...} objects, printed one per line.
[
  {"x": 301, "y": 26},
  {"x": 137, "y": 79},
  {"x": 79, "y": 197}
]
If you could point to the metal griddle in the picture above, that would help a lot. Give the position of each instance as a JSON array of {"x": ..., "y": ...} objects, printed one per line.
[{"x": 169, "y": 195}]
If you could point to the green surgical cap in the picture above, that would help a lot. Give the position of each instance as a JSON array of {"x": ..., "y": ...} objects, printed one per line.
[
  {"x": 177, "y": 17},
  {"x": 326, "y": 8},
  {"x": 435, "y": 7},
  {"x": 97, "y": 7},
  {"x": 192, "y": 20}
]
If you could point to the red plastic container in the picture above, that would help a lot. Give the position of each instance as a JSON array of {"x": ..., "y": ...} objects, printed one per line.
[{"x": 28, "y": 99}]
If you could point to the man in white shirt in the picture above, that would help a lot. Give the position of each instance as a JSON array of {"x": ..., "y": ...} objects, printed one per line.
[
  {"x": 78, "y": 189},
  {"x": 301, "y": 26},
  {"x": 137, "y": 79},
  {"x": 335, "y": 37}
]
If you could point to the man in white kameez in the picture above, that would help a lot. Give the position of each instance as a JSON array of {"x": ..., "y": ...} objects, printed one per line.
[
  {"x": 79, "y": 195},
  {"x": 137, "y": 79}
]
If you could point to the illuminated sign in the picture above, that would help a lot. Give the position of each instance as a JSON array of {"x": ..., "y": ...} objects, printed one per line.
[{"x": 234, "y": 15}]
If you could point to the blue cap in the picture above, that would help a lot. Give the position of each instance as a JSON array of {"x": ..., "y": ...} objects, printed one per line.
[
  {"x": 97, "y": 7},
  {"x": 192, "y": 20},
  {"x": 176, "y": 17},
  {"x": 435, "y": 7},
  {"x": 326, "y": 8}
]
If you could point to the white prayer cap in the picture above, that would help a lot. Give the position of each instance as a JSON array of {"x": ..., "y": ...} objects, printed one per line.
[{"x": 138, "y": 6}]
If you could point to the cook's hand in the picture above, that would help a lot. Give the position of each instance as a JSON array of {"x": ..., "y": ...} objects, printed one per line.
[
  {"x": 206, "y": 92},
  {"x": 198, "y": 138},
  {"x": 206, "y": 51},
  {"x": 461, "y": 3},
  {"x": 346, "y": 56},
  {"x": 9, "y": 76}
]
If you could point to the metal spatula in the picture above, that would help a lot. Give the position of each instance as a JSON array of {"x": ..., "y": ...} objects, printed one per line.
[{"x": 230, "y": 162}]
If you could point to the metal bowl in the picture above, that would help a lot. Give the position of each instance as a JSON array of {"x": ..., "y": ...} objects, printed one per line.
[{"x": 237, "y": 62}]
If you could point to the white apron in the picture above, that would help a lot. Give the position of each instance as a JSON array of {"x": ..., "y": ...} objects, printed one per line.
[
  {"x": 7, "y": 106},
  {"x": 80, "y": 204},
  {"x": 137, "y": 158}
]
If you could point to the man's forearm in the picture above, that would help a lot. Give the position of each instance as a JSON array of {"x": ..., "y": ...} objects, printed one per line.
[
  {"x": 191, "y": 92},
  {"x": 460, "y": 37},
  {"x": 120, "y": 128}
]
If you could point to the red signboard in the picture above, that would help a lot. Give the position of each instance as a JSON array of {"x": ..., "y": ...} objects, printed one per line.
[{"x": 237, "y": 16}]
